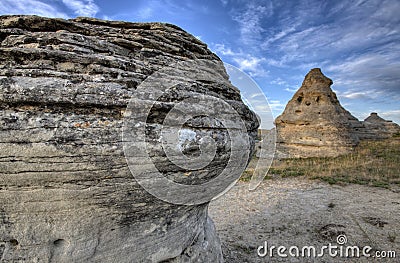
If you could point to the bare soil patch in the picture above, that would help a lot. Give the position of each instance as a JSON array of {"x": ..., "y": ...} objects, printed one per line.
[{"x": 302, "y": 212}]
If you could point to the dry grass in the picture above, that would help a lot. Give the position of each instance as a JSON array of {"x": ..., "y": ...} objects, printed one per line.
[{"x": 375, "y": 163}]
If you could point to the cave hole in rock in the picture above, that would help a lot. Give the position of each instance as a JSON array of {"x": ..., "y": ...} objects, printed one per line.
[
  {"x": 14, "y": 242},
  {"x": 59, "y": 242}
]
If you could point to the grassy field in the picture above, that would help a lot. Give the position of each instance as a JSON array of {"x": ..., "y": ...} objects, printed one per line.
[{"x": 375, "y": 163}]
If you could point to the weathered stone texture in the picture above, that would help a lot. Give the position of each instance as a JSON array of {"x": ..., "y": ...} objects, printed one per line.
[
  {"x": 314, "y": 123},
  {"x": 66, "y": 192},
  {"x": 375, "y": 128}
]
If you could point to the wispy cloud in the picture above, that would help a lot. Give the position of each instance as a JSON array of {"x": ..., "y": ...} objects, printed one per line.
[
  {"x": 145, "y": 12},
  {"x": 359, "y": 27},
  {"x": 279, "y": 81},
  {"x": 250, "y": 20},
  {"x": 224, "y": 2},
  {"x": 355, "y": 43},
  {"x": 226, "y": 51},
  {"x": 250, "y": 64},
  {"x": 393, "y": 115},
  {"x": 355, "y": 95},
  {"x": 82, "y": 7},
  {"x": 369, "y": 75},
  {"x": 290, "y": 90},
  {"x": 244, "y": 61},
  {"x": 276, "y": 105},
  {"x": 30, "y": 7},
  {"x": 279, "y": 35},
  {"x": 49, "y": 9}
]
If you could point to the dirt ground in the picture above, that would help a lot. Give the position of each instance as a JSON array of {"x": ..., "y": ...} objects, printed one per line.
[{"x": 300, "y": 212}]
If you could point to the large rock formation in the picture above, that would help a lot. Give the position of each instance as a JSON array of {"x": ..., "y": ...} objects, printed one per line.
[
  {"x": 374, "y": 128},
  {"x": 314, "y": 123},
  {"x": 66, "y": 192}
]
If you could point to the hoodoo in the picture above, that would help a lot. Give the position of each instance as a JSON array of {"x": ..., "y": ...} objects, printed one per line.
[
  {"x": 314, "y": 123},
  {"x": 375, "y": 127}
]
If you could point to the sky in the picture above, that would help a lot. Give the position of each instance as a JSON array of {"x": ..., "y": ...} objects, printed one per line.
[{"x": 276, "y": 42}]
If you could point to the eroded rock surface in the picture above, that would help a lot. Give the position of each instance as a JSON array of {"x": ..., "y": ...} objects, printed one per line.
[
  {"x": 375, "y": 127},
  {"x": 66, "y": 192},
  {"x": 314, "y": 123}
]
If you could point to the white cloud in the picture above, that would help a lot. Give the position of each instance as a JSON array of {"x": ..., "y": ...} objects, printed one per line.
[
  {"x": 106, "y": 17},
  {"x": 290, "y": 90},
  {"x": 279, "y": 81},
  {"x": 371, "y": 75},
  {"x": 250, "y": 64},
  {"x": 309, "y": 36},
  {"x": 276, "y": 105},
  {"x": 250, "y": 19},
  {"x": 259, "y": 95},
  {"x": 355, "y": 95},
  {"x": 274, "y": 62},
  {"x": 393, "y": 115},
  {"x": 29, "y": 7},
  {"x": 389, "y": 10},
  {"x": 145, "y": 13},
  {"x": 355, "y": 43},
  {"x": 221, "y": 49},
  {"x": 244, "y": 61},
  {"x": 82, "y": 7},
  {"x": 279, "y": 35},
  {"x": 261, "y": 108}
]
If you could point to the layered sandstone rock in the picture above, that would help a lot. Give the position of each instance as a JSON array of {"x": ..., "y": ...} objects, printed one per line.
[
  {"x": 374, "y": 128},
  {"x": 66, "y": 191},
  {"x": 314, "y": 123}
]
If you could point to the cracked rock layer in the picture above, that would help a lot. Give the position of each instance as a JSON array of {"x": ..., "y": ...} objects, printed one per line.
[{"x": 66, "y": 192}]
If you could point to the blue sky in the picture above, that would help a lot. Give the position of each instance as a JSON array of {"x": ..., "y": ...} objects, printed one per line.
[{"x": 355, "y": 43}]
